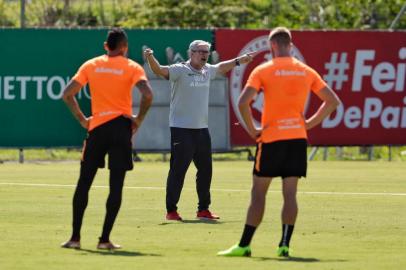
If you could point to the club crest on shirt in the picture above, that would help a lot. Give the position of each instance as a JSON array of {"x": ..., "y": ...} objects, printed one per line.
[{"x": 200, "y": 79}]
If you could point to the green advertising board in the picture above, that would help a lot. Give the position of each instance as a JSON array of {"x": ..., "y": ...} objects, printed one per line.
[{"x": 36, "y": 65}]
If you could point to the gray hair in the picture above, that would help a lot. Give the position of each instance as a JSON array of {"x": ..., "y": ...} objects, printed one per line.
[{"x": 195, "y": 43}]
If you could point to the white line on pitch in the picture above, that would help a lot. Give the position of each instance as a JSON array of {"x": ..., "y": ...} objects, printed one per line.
[{"x": 220, "y": 189}]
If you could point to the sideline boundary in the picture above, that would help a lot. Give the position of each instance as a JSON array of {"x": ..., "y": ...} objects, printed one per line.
[{"x": 215, "y": 189}]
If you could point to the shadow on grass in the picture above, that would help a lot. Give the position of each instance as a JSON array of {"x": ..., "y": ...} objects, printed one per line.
[
  {"x": 296, "y": 259},
  {"x": 118, "y": 253},
  {"x": 192, "y": 221}
]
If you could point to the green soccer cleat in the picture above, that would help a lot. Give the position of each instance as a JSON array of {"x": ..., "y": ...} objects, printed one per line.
[
  {"x": 236, "y": 251},
  {"x": 283, "y": 251}
]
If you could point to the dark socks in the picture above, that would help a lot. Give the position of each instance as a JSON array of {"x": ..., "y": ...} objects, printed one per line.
[
  {"x": 287, "y": 231},
  {"x": 247, "y": 235},
  {"x": 113, "y": 202}
]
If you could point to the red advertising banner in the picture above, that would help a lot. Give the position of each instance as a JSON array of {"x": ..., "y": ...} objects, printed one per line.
[{"x": 366, "y": 69}]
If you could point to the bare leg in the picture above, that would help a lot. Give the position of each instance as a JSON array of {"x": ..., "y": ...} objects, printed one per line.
[
  {"x": 289, "y": 212},
  {"x": 289, "y": 209},
  {"x": 256, "y": 208}
]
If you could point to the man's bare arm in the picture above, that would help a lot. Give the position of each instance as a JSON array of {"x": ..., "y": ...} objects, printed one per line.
[
  {"x": 330, "y": 103},
  {"x": 69, "y": 98},
  {"x": 154, "y": 64},
  {"x": 226, "y": 66},
  {"x": 146, "y": 100},
  {"x": 244, "y": 107}
]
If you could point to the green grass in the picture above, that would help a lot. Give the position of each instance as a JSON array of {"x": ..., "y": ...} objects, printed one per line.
[
  {"x": 398, "y": 153},
  {"x": 333, "y": 231}
]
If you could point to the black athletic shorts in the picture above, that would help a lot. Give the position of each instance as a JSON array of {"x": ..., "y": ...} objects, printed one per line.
[
  {"x": 281, "y": 158},
  {"x": 112, "y": 138}
]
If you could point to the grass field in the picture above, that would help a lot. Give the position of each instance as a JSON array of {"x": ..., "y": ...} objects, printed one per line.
[
  {"x": 352, "y": 216},
  {"x": 353, "y": 153}
]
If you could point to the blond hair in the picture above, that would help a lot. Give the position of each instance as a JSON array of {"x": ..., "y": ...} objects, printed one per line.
[{"x": 281, "y": 35}]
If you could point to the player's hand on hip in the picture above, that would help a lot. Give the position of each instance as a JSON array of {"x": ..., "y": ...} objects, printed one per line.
[
  {"x": 308, "y": 124},
  {"x": 135, "y": 122},
  {"x": 256, "y": 133},
  {"x": 85, "y": 122}
]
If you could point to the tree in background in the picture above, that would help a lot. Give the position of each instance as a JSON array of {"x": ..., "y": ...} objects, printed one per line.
[
  {"x": 189, "y": 13},
  {"x": 5, "y": 19},
  {"x": 299, "y": 14}
]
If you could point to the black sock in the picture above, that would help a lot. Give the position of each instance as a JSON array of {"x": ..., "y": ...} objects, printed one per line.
[
  {"x": 287, "y": 231},
  {"x": 247, "y": 235}
]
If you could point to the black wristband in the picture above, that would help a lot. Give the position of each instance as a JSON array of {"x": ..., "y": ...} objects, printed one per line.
[{"x": 237, "y": 62}]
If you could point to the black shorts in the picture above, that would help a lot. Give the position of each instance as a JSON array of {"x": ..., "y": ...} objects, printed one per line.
[
  {"x": 281, "y": 158},
  {"x": 112, "y": 138}
]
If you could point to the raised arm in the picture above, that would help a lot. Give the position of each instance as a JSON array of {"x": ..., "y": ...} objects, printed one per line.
[
  {"x": 146, "y": 100},
  {"x": 226, "y": 66},
  {"x": 244, "y": 107},
  {"x": 154, "y": 64},
  {"x": 330, "y": 103},
  {"x": 69, "y": 98}
]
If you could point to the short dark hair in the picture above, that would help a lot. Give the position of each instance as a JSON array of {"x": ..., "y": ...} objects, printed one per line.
[
  {"x": 281, "y": 35},
  {"x": 116, "y": 37}
]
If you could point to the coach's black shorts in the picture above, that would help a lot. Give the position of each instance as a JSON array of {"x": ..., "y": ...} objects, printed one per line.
[
  {"x": 281, "y": 158},
  {"x": 112, "y": 138}
]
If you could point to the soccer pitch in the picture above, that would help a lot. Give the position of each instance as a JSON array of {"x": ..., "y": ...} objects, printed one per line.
[{"x": 352, "y": 215}]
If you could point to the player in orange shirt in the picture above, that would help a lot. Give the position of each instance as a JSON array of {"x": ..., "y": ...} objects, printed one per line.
[
  {"x": 281, "y": 140},
  {"x": 111, "y": 78}
]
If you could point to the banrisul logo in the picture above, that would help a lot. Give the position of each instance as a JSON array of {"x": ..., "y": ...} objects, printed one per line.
[{"x": 240, "y": 74}]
